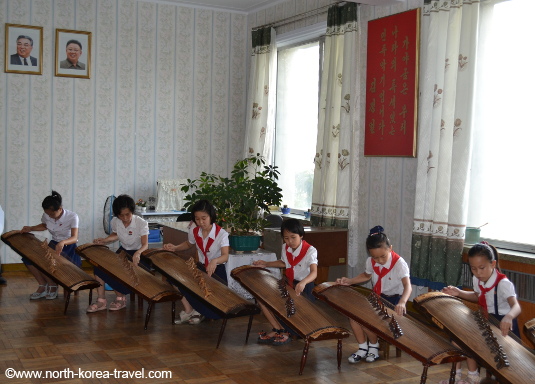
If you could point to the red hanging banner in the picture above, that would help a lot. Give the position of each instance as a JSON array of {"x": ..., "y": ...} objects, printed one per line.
[{"x": 392, "y": 85}]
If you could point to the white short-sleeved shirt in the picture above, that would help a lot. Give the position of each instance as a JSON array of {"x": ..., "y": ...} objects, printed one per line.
[
  {"x": 60, "y": 229},
  {"x": 506, "y": 289},
  {"x": 302, "y": 269},
  {"x": 391, "y": 283},
  {"x": 221, "y": 240},
  {"x": 130, "y": 237}
]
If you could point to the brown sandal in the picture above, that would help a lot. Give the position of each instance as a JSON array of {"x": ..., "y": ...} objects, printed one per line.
[
  {"x": 118, "y": 303},
  {"x": 99, "y": 305}
]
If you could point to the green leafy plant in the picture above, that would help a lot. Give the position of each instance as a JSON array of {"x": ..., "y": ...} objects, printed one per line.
[{"x": 242, "y": 199}]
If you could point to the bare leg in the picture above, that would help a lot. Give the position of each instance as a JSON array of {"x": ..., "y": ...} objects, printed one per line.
[
  {"x": 39, "y": 276},
  {"x": 187, "y": 306},
  {"x": 372, "y": 337},
  {"x": 101, "y": 292},
  {"x": 272, "y": 320},
  {"x": 359, "y": 332}
]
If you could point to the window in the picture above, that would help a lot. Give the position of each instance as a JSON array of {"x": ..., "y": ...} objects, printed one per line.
[
  {"x": 297, "y": 122},
  {"x": 502, "y": 185}
]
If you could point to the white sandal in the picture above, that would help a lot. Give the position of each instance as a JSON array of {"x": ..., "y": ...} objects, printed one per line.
[
  {"x": 52, "y": 295},
  {"x": 99, "y": 305},
  {"x": 372, "y": 356},
  {"x": 38, "y": 295}
]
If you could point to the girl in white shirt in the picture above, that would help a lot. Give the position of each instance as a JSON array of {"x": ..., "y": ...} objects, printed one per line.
[
  {"x": 133, "y": 233},
  {"x": 390, "y": 278},
  {"x": 213, "y": 249},
  {"x": 494, "y": 293},
  {"x": 63, "y": 226}
]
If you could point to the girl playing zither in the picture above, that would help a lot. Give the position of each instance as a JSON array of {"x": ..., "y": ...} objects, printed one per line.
[
  {"x": 213, "y": 248},
  {"x": 390, "y": 278},
  {"x": 301, "y": 262}
]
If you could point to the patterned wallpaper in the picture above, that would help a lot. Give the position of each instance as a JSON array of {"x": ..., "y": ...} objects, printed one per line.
[
  {"x": 383, "y": 188},
  {"x": 165, "y": 100}
]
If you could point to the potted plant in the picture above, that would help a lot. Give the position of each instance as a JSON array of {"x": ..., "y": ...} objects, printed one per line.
[
  {"x": 142, "y": 204},
  {"x": 241, "y": 200}
]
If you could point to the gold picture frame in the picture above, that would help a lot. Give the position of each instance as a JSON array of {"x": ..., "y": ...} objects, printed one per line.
[
  {"x": 73, "y": 54},
  {"x": 23, "y": 49}
]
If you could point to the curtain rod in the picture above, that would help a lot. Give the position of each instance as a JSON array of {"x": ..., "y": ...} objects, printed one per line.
[{"x": 298, "y": 17}]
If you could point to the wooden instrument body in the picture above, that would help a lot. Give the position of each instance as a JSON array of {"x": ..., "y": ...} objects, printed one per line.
[
  {"x": 529, "y": 327},
  {"x": 460, "y": 323},
  {"x": 309, "y": 321},
  {"x": 66, "y": 274},
  {"x": 418, "y": 341},
  {"x": 57, "y": 268},
  {"x": 148, "y": 286},
  {"x": 224, "y": 301}
]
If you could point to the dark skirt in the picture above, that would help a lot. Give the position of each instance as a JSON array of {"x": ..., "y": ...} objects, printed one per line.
[
  {"x": 115, "y": 284},
  {"x": 68, "y": 253},
  {"x": 199, "y": 305}
]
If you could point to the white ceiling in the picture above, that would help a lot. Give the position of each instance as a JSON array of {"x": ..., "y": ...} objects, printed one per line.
[{"x": 248, "y": 6}]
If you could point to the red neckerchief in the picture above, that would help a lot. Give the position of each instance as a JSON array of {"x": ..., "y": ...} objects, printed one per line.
[
  {"x": 381, "y": 272},
  {"x": 482, "y": 299},
  {"x": 293, "y": 262},
  {"x": 198, "y": 240}
]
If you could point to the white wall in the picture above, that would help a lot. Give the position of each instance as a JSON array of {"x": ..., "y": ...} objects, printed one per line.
[
  {"x": 387, "y": 184},
  {"x": 165, "y": 100}
]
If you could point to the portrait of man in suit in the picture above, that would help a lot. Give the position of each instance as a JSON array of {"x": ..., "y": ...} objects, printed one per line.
[
  {"x": 73, "y": 51},
  {"x": 24, "y": 49}
]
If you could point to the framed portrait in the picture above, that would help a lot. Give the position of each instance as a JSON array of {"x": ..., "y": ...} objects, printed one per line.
[
  {"x": 23, "y": 49},
  {"x": 73, "y": 53}
]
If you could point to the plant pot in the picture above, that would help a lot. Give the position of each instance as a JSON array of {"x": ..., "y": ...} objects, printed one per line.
[
  {"x": 143, "y": 209},
  {"x": 472, "y": 235},
  {"x": 244, "y": 243}
]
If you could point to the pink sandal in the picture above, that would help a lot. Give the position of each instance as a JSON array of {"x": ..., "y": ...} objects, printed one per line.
[
  {"x": 99, "y": 305},
  {"x": 118, "y": 303}
]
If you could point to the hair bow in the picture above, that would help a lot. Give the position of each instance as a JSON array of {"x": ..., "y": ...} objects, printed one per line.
[{"x": 376, "y": 230}]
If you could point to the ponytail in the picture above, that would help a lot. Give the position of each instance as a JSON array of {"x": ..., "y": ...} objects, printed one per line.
[{"x": 52, "y": 202}]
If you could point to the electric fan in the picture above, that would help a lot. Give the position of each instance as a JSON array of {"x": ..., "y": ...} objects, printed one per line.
[{"x": 107, "y": 215}]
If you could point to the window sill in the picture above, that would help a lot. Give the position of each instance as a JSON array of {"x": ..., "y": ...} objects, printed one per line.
[{"x": 508, "y": 255}]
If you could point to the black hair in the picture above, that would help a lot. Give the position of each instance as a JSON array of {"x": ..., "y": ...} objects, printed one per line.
[
  {"x": 377, "y": 238},
  {"x": 204, "y": 206},
  {"x": 25, "y": 37},
  {"x": 121, "y": 202},
  {"x": 292, "y": 226},
  {"x": 74, "y": 42},
  {"x": 52, "y": 202},
  {"x": 484, "y": 249}
]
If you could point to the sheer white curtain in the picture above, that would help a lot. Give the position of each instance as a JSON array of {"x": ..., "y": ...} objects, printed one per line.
[
  {"x": 332, "y": 173},
  {"x": 449, "y": 34},
  {"x": 504, "y": 125},
  {"x": 261, "y": 96}
]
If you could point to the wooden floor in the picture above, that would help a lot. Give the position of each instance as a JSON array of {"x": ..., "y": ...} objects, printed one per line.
[{"x": 36, "y": 336}]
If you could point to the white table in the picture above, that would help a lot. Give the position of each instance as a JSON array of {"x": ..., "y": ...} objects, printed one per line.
[{"x": 236, "y": 260}]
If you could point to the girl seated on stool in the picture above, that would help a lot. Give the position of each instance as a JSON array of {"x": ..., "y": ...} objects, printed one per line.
[
  {"x": 495, "y": 294},
  {"x": 133, "y": 233},
  {"x": 390, "y": 279},
  {"x": 63, "y": 226},
  {"x": 301, "y": 262},
  {"x": 213, "y": 248}
]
